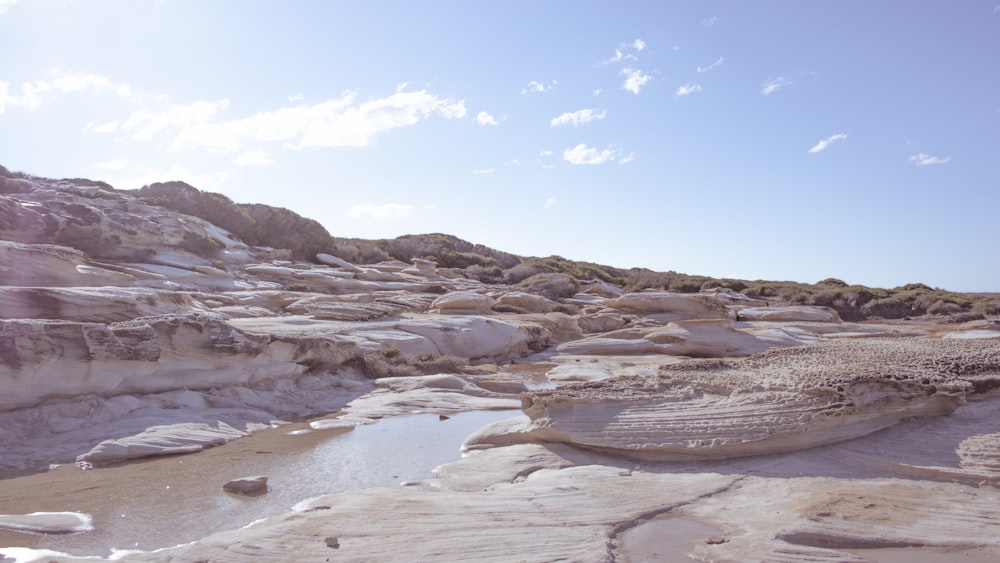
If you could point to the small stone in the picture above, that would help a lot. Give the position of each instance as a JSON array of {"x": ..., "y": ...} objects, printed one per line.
[
  {"x": 249, "y": 486},
  {"x": 333, "y": 542},
  {"x": 716, "y": 540}
]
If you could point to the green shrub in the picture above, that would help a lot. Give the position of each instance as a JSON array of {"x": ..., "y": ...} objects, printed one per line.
[
  {"x": 551, "y": 285},
  {"x": 390, "y": 362}
]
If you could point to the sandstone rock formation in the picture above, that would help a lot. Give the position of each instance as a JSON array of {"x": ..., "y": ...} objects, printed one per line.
[{"x": 763, "y": 431}]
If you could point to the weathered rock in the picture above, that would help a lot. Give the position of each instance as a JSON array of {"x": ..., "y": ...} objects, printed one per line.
[
  {"x": 44, "y": 265},
  {"x": 527, "y": 302},
  {"x": 702, "y": 338},
  {"x": 781, "y": 400},
  {"x": 666, "y": 306},
  {"x": 463, "y": 303},
  {"x": 794, "y": 313},
  {"x": 331, "y": 260},
  {"x": 90, "y": 304},
  {"x": 247, "y": 486}
]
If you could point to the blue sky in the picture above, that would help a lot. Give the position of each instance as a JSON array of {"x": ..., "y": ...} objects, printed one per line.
[{"x": 781, "y": 140}]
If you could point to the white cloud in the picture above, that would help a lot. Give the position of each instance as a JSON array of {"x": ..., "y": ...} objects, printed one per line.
[
  {"x": 924, "y": 159},
  {"x": 114, "y": 164},
  {"x": 385, "y": 212},
  {"x": 773, "y": 85},
  {"x": 549, "y": 204},
  {"x": 627, "y": 158},
  {"x": 546, "y": 152},
  {"x": 6, "y": 4},
  {"x": 634, "y": 79},
  {"x": 688, "y": 89},
  {"x": 639, "y": 44},
  {"x": 577, "y": 118},
  {"x": 582, "y": 154},
  {"x": 597, "y": 92},
  {"x": 711, "y": 66},
  {"x": 255, "y": 157},
  {"x": 822, "y": 145},
  {"x": 337, "y": 122},
  {"x": 296, "y": 98},
  {"x": 536, "y": 86},
  {"x": 482, "y": 171},
  {"x": 484, "y": 118},
  {"x": 33, "y": 94},
  {"x": 710, "y": 21}
]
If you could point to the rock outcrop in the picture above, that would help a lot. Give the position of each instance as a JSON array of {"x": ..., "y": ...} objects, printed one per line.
[{"x": 777, "y": 401}]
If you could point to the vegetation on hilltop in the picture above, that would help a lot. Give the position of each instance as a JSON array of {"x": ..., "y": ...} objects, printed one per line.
[{"x": 554, "y": 276}]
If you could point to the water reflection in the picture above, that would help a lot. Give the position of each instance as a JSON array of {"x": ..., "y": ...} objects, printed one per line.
[{"x": 164, "y": 502}]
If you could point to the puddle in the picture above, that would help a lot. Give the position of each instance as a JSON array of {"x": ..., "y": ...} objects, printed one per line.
[
  {"x": 667, "y": 540},
  {"x": 168, "y": 501}
]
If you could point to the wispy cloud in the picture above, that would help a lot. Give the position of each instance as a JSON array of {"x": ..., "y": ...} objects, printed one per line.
[
  {"x": 688, "y": 89},
  {"x": 634, "y": 79},
  {"x": 484, "y": 118},
  {"x": 711, "y": 66},
  {"x": 546, "y": 152},
  {"x": 709, "y": 22},
  {"x": 578, "y": 117},
  {"x": 773, "y": 85},
  {"x": 626, "y": 52},
  {"x": 627, "y": 158},
  {"x": 255, "y": 157},
  {"x": 924, "y": 159},
  {"x": 34, "y": 94},
  {"x": 384, "y": 212},
  {"x": 293, "y": 98},
  {"x": 337, "y": 122},
  {"x": 483, "y": 171},
  {"x": 549, "y": 204},
  {"x": 537, "y": 87},
  {"x": 822, "y": 145},
  {"x": 6, "y": 4}
]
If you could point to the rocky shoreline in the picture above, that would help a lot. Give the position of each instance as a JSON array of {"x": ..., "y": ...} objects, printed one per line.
[{"x": 793, "y": 435}]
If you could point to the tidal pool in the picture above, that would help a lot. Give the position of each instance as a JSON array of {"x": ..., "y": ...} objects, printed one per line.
[{"x": 167, "y": 501}]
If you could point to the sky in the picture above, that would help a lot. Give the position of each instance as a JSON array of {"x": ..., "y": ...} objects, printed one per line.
[{"x": 775, "y": 139}]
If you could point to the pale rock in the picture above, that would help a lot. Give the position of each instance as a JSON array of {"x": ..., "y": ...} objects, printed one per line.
[
  {"x": 777, "y": 401},
  {"x": 537, "y": 518},
  {"x": 421, "y": 267},
  {"x": 436, "y": 394},
  {"x": 579, "y": 372},
  {"x": 706, "y": 338},
  {"x": 601, "y": 322},
  {"x": 90, "y": 304},
  {"x": 463, "y": 303},
  {"x": 327, "y": 280},
  {"x": 527, "y": 302},
  {"x": 601, "y": 288},
  {"x": 47, "y": 523},
  {"x": 331, "y": 260},
  {"x": 161, "y": 440},
  {"x": 47, "y": 360},
  {"x": 247, "y": 486},
  {"x": 792, "y": 313},
  {"x": 665, "y": 306},
  {"x": 44, "y": 265}
]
